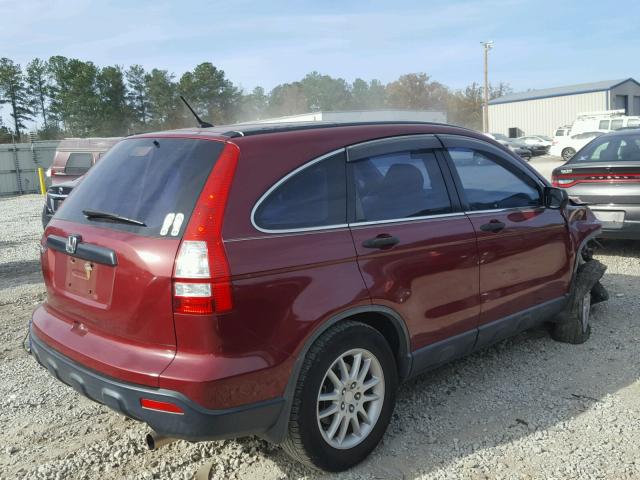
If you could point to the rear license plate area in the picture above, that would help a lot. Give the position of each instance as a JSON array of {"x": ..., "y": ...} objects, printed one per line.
[
  {"x": 81, "y": 277},
  {"x": 610, "y": 219}
]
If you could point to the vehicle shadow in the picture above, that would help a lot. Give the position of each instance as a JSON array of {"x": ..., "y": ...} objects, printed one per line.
[{"x": 510, "y": 391}]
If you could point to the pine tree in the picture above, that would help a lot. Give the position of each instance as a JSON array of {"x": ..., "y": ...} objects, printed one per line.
[
  {"x": 13, "y": 92},
  {"x": 39, "y": 89}
]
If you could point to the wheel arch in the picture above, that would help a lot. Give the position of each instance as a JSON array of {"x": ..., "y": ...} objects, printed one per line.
[{"x": 384, "y": 319}]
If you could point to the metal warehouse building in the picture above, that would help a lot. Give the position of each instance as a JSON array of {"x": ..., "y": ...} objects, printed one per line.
[{"x": 540, "y": 112}]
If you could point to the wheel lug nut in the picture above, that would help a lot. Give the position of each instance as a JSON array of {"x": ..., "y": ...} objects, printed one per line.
[
  {"x": 353, "y": 385},
  {"x": 342, "y": 406},
  {"x": 357, "y": 396}
]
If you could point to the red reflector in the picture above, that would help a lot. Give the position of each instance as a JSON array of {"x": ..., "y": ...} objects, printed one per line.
[
  {"x": 195, "y": 305},
  {"x": 160, "y": 406}
]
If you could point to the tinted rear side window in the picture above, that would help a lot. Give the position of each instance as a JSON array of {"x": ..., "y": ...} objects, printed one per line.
[
  {"x": 78, "y": 163},
  {"x": 144, "y": 179},
  {"x": 313, "y": 197}
]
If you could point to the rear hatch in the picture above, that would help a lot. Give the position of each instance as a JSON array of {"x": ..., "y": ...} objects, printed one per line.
[{"x": 110, "y": 253}]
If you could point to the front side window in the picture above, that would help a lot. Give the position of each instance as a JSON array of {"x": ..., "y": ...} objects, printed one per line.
[
  {"x": 489, "y": 184},
  {"x": 78, "y": 163},
  {"x": 313, "y": 197},
  {"x": 604, "y": 125},
  {"x": 399, "y": 185},
  {"x": 616, "y": 124}
]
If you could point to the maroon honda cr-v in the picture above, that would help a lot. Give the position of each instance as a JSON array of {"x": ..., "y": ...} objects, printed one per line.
[{"x": 280, "y": 280}]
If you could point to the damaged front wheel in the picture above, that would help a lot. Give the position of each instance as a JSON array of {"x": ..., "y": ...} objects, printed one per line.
[{"x": 572, "y": 324}]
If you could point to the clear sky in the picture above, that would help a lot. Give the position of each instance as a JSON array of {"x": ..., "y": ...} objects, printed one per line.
[{"x": 538, "y": 43}]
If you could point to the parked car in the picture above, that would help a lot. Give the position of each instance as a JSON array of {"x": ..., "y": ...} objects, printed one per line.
[
  {"x": 538, "y": 144},
  {"x": 568, "y": 146},
  {"x": 73, "y": 158},
  {"x": 502, "y": 139},
  {"x": 606, "y": 174},
  {"x": 280, "y": 280},
  {"x": 56, "y": 194}
]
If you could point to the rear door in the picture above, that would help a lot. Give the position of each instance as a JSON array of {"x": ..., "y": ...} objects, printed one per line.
[
  {"x": 110, "y": 280},
  {"x": 416, "y": 249},
  {"x": 523, "y": 247}
]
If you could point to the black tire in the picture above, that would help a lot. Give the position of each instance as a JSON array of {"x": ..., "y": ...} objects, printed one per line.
[
  {"x": 567, "y": 154},
  {"x": 599, "y": 294},
  {"x": 572, "y": 325},
  {"x": 305, "y": 442}
]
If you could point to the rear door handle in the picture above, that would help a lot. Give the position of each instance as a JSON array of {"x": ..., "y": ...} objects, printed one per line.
[
  {"x": 381, "y": 241},
  {"x": 492, "y": 226}
]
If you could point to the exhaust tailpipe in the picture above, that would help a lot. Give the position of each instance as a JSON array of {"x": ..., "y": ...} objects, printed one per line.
[{"x": 155, "y": 441}]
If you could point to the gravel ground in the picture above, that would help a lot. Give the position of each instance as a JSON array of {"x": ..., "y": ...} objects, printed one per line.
[{"x": 526, "y": 408}]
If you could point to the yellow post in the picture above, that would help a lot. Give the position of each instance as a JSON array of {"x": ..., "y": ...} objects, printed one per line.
[{"x": 43, "y": 185}]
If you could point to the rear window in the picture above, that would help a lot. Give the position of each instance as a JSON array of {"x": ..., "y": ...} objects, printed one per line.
[
  {"x": 618, "y": 148},
  {"x": 148, "y": 180},
  {"x": 78, "y": 163},
  {"x": 616, "y": 124}
]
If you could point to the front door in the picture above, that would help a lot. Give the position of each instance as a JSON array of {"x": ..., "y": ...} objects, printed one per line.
[
  {"x": 523, "y": 246},
  {"x": 416, "y": 249}
]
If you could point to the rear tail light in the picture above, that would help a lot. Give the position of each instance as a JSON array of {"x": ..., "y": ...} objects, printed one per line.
[
  {"x": 569, "y": 180},
  {"x": 202, "y": 278}
]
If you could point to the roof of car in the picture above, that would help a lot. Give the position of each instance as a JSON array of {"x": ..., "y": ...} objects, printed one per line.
[
  {"x": 622, "y": 131},
  {"x": 249, "y": 129}
]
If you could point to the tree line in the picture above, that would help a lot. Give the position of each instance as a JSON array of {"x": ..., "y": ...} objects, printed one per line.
[{"x": 71, "y": 97}]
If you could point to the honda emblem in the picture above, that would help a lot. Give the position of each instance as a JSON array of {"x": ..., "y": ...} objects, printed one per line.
[{"x": 72, "y": 243}]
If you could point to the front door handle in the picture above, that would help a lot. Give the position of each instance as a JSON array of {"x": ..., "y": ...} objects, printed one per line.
[
  {"x": 492, "y": 226},
  {"x": 381, "y": 241}
]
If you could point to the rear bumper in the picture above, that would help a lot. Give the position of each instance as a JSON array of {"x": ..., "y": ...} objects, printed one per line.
[
  {"x": 627, "y": 232},
  {"x": 195, "y": 424},
  {"x": 630, "y": 228}
]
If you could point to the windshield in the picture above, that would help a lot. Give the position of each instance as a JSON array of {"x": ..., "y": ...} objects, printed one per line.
[
  {"x": 618, "y": 148},
  {"x": 145, "y": 180}
]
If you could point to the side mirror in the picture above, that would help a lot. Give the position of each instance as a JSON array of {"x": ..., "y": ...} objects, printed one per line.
[{"x": 556, "y": 198}]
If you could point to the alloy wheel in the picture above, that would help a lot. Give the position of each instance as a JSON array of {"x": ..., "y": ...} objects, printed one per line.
[{"x": 350, "y": 398}]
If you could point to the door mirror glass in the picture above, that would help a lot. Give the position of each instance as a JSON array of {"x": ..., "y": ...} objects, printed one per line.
[{"x": 555, "y": 198}]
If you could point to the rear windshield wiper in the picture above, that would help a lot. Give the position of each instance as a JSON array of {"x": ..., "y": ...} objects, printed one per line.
[{"x": 112, "y": 216}]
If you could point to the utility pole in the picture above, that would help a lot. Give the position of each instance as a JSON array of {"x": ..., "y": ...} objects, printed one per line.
[{"x": 485, "y": 107}]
